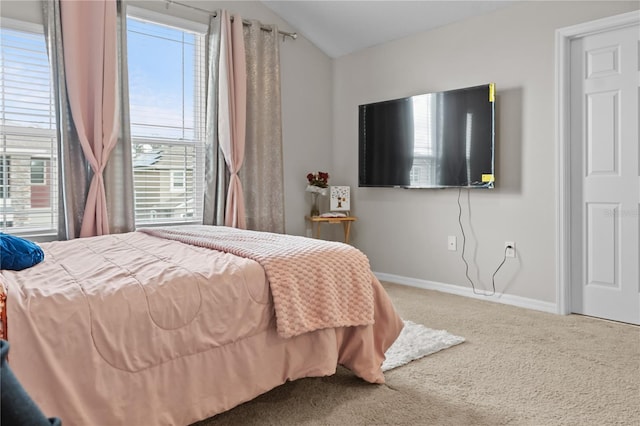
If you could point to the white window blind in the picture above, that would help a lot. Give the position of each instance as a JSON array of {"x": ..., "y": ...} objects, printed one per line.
[
  {"x": 166, "y": 96},
  {"x": 28, "y": 152}
]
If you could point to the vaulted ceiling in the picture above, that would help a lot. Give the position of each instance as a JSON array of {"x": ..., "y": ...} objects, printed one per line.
[{"x": 342, "y": 27}]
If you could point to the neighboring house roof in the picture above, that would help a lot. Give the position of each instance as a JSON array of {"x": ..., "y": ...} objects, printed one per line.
[
  {"x": 146, "y": 159},
  {"x": 157, "y": 160}
]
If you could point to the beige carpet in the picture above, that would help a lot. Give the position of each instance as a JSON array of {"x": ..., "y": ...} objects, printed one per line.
[{"x": 517, "y": 367}]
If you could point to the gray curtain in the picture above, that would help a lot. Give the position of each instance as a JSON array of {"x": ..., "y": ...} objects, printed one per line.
[
  {"x": 262, "y": 173},
  {"x": 118, "y": 175},
  {"x": 215, "y": 171},
  {"x": 73, "y": 169},
  {"x": 73, "y": 185}
]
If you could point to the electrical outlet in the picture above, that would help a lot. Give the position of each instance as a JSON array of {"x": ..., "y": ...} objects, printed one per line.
[
  {"x": 509, "y": 249},
  {"x": 452, "y": 244}
]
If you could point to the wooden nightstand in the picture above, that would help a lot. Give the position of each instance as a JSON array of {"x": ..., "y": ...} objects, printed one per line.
[{"x": 319, "y": 220}]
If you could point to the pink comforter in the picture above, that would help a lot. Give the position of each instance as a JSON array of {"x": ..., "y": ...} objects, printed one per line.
[
  {"x": 135, "y": 329},
  {"x": 315, "y": 284}
]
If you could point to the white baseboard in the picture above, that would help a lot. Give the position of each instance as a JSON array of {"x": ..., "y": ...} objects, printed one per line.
[{"x": 506, "y": 299}]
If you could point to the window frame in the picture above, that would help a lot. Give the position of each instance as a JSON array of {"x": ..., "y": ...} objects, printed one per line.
[
  {"x": 199, "y": 100},
  {"x": 35, "y": 232}
]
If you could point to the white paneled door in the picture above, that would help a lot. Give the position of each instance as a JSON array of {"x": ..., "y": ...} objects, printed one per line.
[{"x": 605, "y": 189}]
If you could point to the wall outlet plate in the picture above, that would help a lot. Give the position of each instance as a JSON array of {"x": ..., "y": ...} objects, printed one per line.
[
  {"x": 452, "y": 244},
  {"x": 509, "y": 249}
]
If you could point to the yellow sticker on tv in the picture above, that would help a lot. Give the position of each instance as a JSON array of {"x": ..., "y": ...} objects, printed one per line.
[{"x": 488, "y": 178}]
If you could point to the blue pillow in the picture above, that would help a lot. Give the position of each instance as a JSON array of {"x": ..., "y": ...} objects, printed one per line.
[{"x": 17, "y": 253}]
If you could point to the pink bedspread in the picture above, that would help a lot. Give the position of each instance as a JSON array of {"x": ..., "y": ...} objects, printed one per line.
[
  {"x": 315, "y": 284},
  {"x": 134, "y": 329}
]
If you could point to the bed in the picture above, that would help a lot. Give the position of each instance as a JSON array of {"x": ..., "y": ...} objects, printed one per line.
[{"x": 168, "y": 326}]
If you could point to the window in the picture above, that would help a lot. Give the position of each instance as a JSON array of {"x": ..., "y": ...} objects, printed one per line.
[
  {"x": 37, "y": 171},
  {"x": 166, "y": 87},
  {"x": 40, "y": 192},
  {"x": 423, "y": 171},
  {"x": 6, "y": 216},
  {"x": 5, "y": 172},
  {"x": 166, "y": 92},
  {"x": 28, "y": 153},
  {"x": 177, "y": 180}
]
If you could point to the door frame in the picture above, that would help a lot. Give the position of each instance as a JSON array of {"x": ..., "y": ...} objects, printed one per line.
[{"x": 563, "y": 39}]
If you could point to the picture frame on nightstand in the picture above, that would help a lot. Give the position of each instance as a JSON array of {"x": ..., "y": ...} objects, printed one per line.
[{"x": 340, "y": 199}]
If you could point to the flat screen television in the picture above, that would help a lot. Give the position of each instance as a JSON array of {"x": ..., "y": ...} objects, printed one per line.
[{"x": 434, "y": 140}]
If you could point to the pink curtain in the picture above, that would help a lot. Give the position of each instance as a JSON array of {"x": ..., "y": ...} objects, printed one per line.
[
  {"x": 232, "y": 101},
  {"x": 90, "y": 59}
]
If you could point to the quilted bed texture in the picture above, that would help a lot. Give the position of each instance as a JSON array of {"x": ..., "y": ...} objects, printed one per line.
[{"x": 315, "y": 284}]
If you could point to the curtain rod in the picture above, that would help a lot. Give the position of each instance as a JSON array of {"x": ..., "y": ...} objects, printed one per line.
[{"x": 244, "y": 21}]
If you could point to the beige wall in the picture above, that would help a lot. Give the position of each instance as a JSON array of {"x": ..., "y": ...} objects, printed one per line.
[
  {"x": 306, "y": 94},
  {"x": 404, "y": 232}
]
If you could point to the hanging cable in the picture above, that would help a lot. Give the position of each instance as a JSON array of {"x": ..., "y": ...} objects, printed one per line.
[{"x": 466, "y": 265}]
